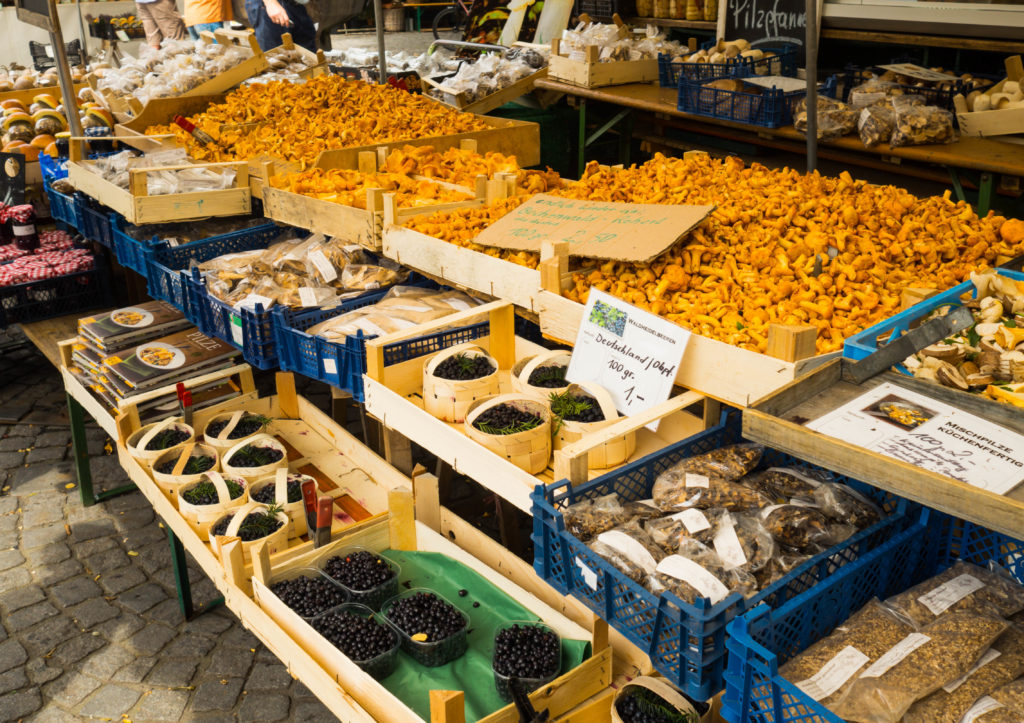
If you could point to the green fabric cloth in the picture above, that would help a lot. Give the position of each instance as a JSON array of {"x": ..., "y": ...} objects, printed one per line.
[{"x": 412, "y": 682}]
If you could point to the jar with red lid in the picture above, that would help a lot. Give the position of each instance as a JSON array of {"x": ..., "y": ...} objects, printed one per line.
[{"x": 21, "y": 220}]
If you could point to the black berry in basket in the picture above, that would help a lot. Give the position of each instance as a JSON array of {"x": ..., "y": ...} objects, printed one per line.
[
  {"x": 360, "y": 570},
  {"x": 464, "y": 366},
  {"x": 639, "y": 705},
  {"x": 425, "y": 617},
  {"x": 195, "y": 465},
  {"x": 308, "y": 596},
  {"x": 476, "y": 604},
  {"x": 255, "y": 526},
  {"x": 548, "y": 377},
  {"x": 357, "y": 637},
  {"x": 463, "y": 592},
  {"x": 205, "y": 493},
  {"x": 166, "y": 439},
  {"x": 248, "y": 424},
  {"x": 506, "y": 419},
  {"x": 253, "y": 456},
  {"x": 526, "y": 651},
  {"x": 266, "y": 493},
  {"x": 576, "y": 407}
]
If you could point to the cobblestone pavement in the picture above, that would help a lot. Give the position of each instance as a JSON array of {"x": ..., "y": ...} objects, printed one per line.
[{"x": 91, "y": 627}]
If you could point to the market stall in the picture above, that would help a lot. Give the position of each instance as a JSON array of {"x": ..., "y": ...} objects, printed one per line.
[{"x": 764, "y": 425}]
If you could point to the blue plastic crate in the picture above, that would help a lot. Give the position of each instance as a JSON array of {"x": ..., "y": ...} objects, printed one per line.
[
  {"x": 782, "y": 63},
  {"x": 942, "y": 97},
  {"x": 772, "y": 108},
  {"x": 97, "y": 220},
  {"x": 868, "y": 341},
  {"x": 36, "y": 300},
  {"x": 62, "y": 206},
  {"x": 164, "y": 262},
  {"x": 686, "y": 642},
  {"x": 762, "y": 640}
]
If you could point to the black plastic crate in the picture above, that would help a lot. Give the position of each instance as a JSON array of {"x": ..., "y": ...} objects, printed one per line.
[{"x": 36, "y": 300}]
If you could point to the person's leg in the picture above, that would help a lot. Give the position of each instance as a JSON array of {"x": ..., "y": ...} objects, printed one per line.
[
  {"x": 193, "y": 33},
  {"x": 303, "y": 31},
  {"x": 268, "y": 33},
  {"x": 211, "y": 27},
  {"x": 165, "y": 12},
  {"x": 149, "y": 24}
]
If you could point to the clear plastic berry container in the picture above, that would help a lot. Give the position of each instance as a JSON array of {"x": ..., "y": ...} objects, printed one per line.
[
  {"x": 376, "y": 596},
  {"x": 313, "y": 573},
  {"x": 438, "y": 652},
  {"x": 381, "y": 665},
  {"x": 503, "y": 683}
]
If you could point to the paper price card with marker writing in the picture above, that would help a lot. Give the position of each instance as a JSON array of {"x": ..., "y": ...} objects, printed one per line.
[
  {"x": 923, "y": 431},
  {"x": 630, "y": 352}
]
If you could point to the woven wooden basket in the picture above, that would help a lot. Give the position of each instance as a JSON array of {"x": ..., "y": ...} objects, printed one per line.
[
  {"x": 525, "y": 367},
  {"x": 276, "y": 541},
  {"x": 174, "y": 480},
  {"x": 449, "y": 399},
  {"x": 669, "y": 694},
  {"x": 251, "y": 474},
  {"x": 137, "y": 440},
  {"x": 201, "y": 517},
  {"x": 221, "y": 442},
  {"x": 296, "y": 511},
  {"x": 530, "y": 450},
  {"x": 614, "y": 451}
]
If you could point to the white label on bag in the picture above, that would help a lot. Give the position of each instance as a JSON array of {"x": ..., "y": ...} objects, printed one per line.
[
  {"x": 985, "y": 660},
  {"x": 688, "y": 571},
  {"x": 23, "y": 230},
  {"x": 693, "y": 520},
  {"x": 949, "y": 593},
  {"x": 895, "y": 654},
  {"x": 410, "y": 307},
  {"x": 330, "y": 366},
  {"x": 307, "y": 296},
  {"x": 250, "y": 301},
  {"x": 236, "y": 330},
  {"x": 589, "y": 576},
  {"x": 834, "y": 673},
  {"x": 459, "y": 304},
  {"x": 728, "y": 547},
  {"x": 323, "y": 265},
  {"x": 697, "y": 480},
  {"x": 629, "y": 548},
  {"x": 983, "y": 706}
]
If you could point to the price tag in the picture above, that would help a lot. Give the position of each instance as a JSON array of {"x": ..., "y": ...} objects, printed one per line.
[
  {"x": 330, "y": 366},
  {"x": 632, "y": 353},
  {"x": 122, "y": 35},
  {"x": 49, "y": 50},
  {"x": 236, "y": 330},
  {"x": 589, "y": 576}
]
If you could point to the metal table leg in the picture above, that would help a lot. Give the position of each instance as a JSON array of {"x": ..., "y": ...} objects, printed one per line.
[
  {"x": 582, "y": 140},
  {"x": 986, "y": 187},
  {"x": 80, "y": 452},
  {"x": 189, "y": 609}
]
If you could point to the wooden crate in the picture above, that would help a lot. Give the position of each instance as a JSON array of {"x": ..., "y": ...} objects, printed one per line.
[
  {"x": 138, "y": 207},
  {"x": 124, "y": 107},
  {"x": 779, "y": 418},
  {"x": 394, "y": 396},
  {"x": 316, "y": 63},
  {"x": 400, "y": 532},
  {"x": 987, "y": 123},
  {"x": 484, "y": 105},
  {"x": 240, "y": 375},
  {"x": 362, "y": 226},
  {"x": 719, "y": 370},
  {"x": 591, "y": 73},
  {"x": 343, "y": 468}
]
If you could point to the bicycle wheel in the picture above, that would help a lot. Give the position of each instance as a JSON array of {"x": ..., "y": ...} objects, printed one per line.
[{"x": 448, "y": 18}]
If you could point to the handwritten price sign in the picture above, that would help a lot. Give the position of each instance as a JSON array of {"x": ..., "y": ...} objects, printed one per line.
[{"x": 630, "y": 352}]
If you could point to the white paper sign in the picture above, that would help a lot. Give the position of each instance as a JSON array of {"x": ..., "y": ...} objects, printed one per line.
[
  {"x": 630, "y": 352},
  {"x": 783, "y": 83},
  {"x": 834, "y": 673},
  {"x": 915, "y": 428},
  {"x": 949, "y": 593},
  {"x": 895, "y": 655}
]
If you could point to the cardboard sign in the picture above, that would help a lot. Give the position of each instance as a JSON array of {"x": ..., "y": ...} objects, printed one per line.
[
  {"x": 594, "y": 229},
  {"x": 915, "y": 428},
  {"x": 628, "y": 351},
  {"x": 916, "y": 71},
  {"x": 778, "y": 81}
]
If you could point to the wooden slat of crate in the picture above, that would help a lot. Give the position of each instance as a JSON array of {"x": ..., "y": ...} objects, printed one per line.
[
  {"x": 139, "y": 208},
  {"x": 26, "y": 96},
  {"x": 778, "y": 420},
  {"x": 509, "y": 137},
  {"x": 484, "y": 105},
  {"x": 575, "y": 686},
  {"x": 394, "y": 396}
]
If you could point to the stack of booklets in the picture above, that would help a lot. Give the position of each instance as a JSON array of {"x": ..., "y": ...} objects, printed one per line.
[{"x": 128, "y": 352}]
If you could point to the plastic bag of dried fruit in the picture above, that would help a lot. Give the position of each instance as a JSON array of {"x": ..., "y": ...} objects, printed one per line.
[
  {"x": 961, "y": 587},
  {"x": 689, "y": 482},
  {"x": 589, "y": 518}
]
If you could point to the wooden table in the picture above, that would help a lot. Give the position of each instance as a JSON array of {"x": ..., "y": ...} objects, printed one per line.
[{"x": 987, "y": 158}]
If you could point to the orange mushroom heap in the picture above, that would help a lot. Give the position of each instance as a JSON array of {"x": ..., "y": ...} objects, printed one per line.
[
  {"x": 349, "y": 188},
  {"x": 753, "y": 261}
]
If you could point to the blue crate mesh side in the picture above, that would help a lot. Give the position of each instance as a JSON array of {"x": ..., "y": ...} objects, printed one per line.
[
  {"x": 247, "y": 239},
  {"x": 165, "y": 284},
  {"x": 62, "y": 205}
]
